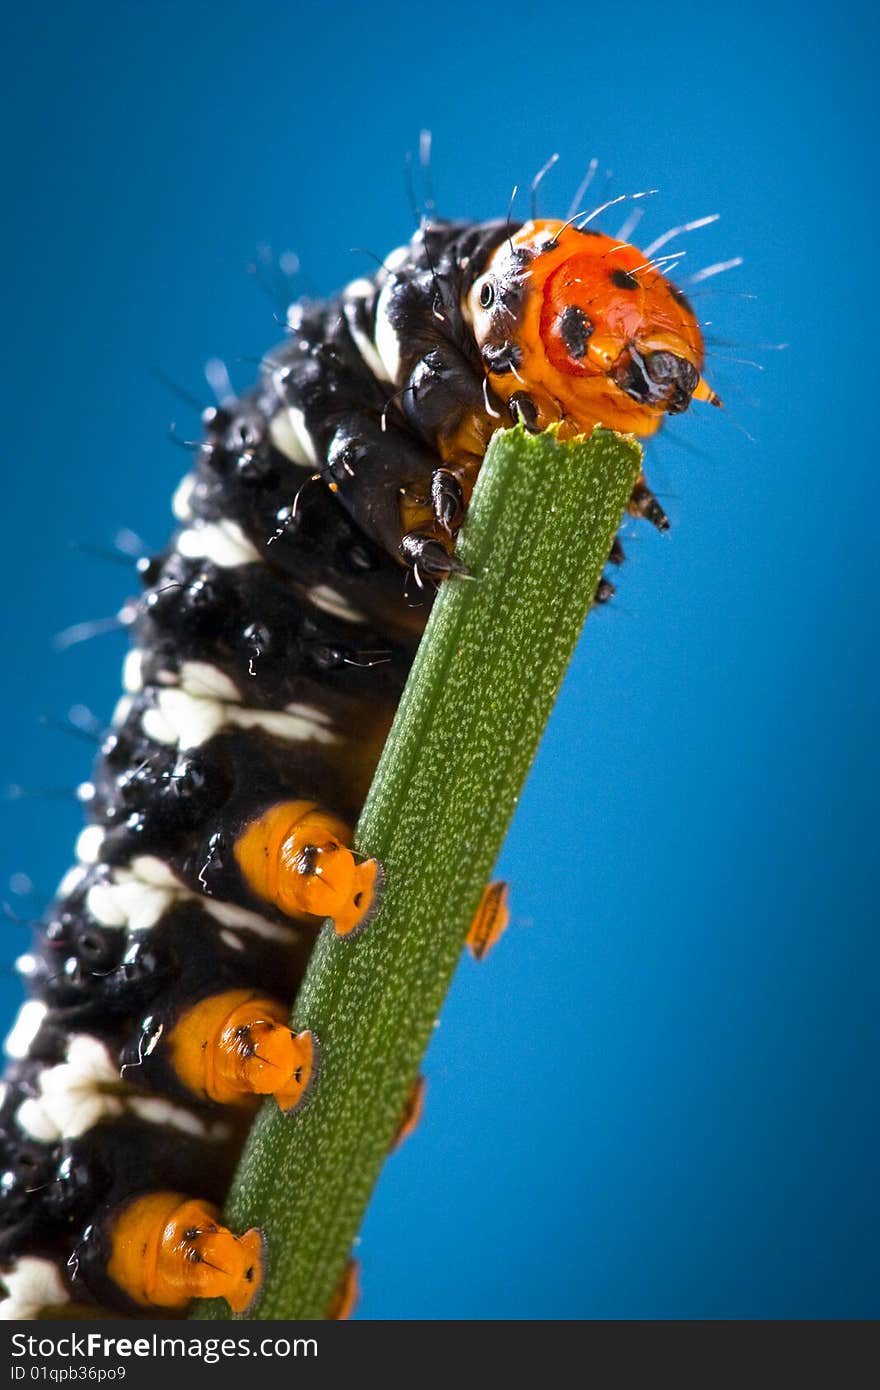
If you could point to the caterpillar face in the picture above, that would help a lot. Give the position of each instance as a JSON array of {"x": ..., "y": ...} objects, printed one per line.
[{"x": 588, "y": 329}]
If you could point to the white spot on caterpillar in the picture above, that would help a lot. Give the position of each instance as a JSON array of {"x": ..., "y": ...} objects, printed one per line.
[
  {"x": 71, "y": 881},
  {"x": 181, "y": 502},
  {"x": 229, "y": 939},
  {"x": 385, "y": 335},
  {"x": 163, "y": 1112},
  {"x": 88, "y": 844},
  {"x": 283, "y": 724},
  {"x": 27, "y": 1025},
  {"x": 330, "y": 601},
  {"x": 31, "y": 1285},
  {"x": 242, "y": 920},
  {"x": 398, "y": 257},
  {"x": 222, "y": 542},
  {"x": 150, "y": 869},
  {"x": 78, "y": 1093},
  {"x": 137, "y": 897},
  {"x": 133, "y": 672},
  {"x": 134, "y": 897},
  {"x": 122, "y": 711},
  {"x": 290, "y": 435},
  {"x": 312, "y": 713},
  {"x": 201, "y": 679},
  {"x": 26, "y": 965},
  {"x": 73, "y": 1095},
  {"x": 128, "y": 901},
  {"x": 186, "y": 721},
  {"x": 362, "y": 289},
  {"x": 182, "y": 720},
  {"x": 368, "y": 352}
]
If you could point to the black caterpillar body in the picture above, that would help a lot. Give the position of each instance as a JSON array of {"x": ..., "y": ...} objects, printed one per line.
[{"x": 269, "y": 652}]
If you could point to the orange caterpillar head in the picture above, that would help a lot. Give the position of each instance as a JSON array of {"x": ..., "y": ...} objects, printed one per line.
[{"x": 586, "y": 329}]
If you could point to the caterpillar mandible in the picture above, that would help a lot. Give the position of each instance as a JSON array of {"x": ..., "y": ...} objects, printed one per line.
[{"x": 269, "y": 651}]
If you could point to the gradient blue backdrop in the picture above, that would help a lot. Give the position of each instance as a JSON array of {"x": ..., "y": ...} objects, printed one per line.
[{"x": 659, "y": 1098}]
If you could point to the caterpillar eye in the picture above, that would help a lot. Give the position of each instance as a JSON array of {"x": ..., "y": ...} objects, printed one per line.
[{"x": 487, "y": 294}]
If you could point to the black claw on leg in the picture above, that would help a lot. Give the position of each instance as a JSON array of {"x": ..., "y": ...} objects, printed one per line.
[
  {"x": 428, "y": 558},
  {"x": 605, "y": 590},
  {"x": 618, "y": 554},
  {"x": 644, "y": 503},
  {"x": 447, "y": 500}
]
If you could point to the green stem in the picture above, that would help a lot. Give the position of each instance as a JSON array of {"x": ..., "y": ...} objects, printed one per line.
[{"x": 538, "y": 533}]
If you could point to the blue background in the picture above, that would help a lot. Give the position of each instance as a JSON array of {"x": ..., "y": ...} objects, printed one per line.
[{"x": 658, "y": 1098}]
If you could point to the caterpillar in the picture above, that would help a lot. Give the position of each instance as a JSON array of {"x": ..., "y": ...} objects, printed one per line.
[{"x": 269, "y": 650}]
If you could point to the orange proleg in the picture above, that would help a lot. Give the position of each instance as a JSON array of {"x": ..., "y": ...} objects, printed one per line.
[
  {"x": 346, "y": 1294},
  {"x": 237, "y": 1044},
  {"x": 166, "y": 1249},
  {"x": 490, "y": 920},
  {"x": 296, "y": 856},
  {"x": 412, "y": 1111}
]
